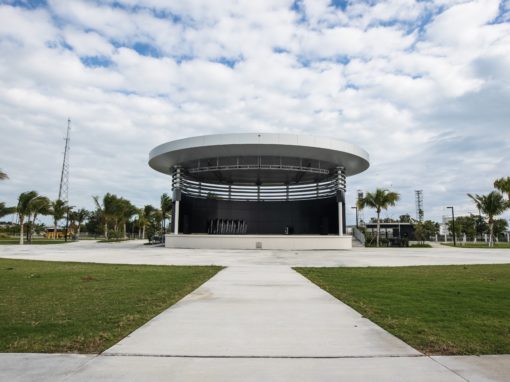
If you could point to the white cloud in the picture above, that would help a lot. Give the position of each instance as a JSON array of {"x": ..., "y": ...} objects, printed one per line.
[
  {"x": 461, "y": 24},
  {"x": 423, "y": 86},
  {"x": 87, "y": 43}
]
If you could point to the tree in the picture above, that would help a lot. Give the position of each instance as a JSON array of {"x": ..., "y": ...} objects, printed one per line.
[
  {"x": 503, "y": 185},
  {"x": 481, "y": 226},
  {"x": 114, "y": 211},
  {"x": 425, "y": 230},
  {"x": 79, "y": 217},
  {"x": 463, "y": 225},
  {"x": 108, "y": 209},
  {"x": 166, "y": 207},
  {"x": 58, "y": 211},
  {"x": 126, "y": 211},
  {"x": 3, "y": 175},
  {"x": 23, "y": 210},
  {"x": 142, "y": 222},
  {"x": 95, "y": 225},
  {"x": 6, "y": 210},
  {"x": 500, "y": 227},
  {"x": 419, "y": 232},
  {"x": 405, "y": 218},
  {"x": 152, "y": 218},
  {"x": 491, "y": 205},
  {"x": 40, "y": 205},
  {"x": 379, "y": 200}
]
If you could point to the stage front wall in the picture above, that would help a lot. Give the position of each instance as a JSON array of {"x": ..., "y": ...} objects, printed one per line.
[{"x": 303, "y": 217}]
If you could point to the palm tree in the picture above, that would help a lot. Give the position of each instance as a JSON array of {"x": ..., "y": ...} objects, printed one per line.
[
  {"x": 79, "y": 217},
  {"x": 126, "y": 211},
  {"x": 38, "y": 205},
  {"x": 166, "y": 207},
  {"x": 108, "y": 209},
  {"x": 142, "y": 222},
  {"x": 3, "y": 175},
  {"x": 503, "y": 185},
  {"x": 379, "y": 200},
  {"x": 101, "y": 214},
  {"x": 23, "y": 210},
  {"x": 491, "y": 205},
  {"x": 58, "y": 211},
  {"x": 149, "y": 215},
  {"x": 6, "y": 210}
]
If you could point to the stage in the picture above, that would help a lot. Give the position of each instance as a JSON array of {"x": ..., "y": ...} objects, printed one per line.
[
  {"x": 285, "y": 242},
  {"x": 258, "y": 190}
]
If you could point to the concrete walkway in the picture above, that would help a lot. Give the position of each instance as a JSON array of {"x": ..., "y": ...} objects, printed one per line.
[
  {"x": 135, "y": 252},
  {"x": 261, "y": 312},
  {"x": 257, "y": 320}
]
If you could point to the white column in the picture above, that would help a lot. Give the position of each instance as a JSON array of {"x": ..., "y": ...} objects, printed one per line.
[
  {"x": 176, "y": 223},
  {"x": 340, "y": 186},
  {"x": 340, "y": 219},
  {"x": 176, "y": 187}
]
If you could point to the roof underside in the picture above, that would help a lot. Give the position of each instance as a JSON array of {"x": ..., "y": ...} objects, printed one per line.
[
  {"x": 258, "y": 158},
  {"x": 258, "y": 170}
]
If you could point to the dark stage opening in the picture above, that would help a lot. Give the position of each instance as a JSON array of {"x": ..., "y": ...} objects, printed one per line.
[{"x": 301, "y": 217}]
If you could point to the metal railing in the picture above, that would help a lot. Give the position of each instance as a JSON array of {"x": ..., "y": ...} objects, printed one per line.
[
  {"x": 324, "y": 189},
  {"x": 358, "y": 235}
]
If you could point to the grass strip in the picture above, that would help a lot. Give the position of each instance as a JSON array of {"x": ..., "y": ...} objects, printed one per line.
[
  {"x": 477, "y": 245},
  {"x": 451, "y": 310},
  {"x": 34, "y": 242},
  {"x": 83, "y": 307}
]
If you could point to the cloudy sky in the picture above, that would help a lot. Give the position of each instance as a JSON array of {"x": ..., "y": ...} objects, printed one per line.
[{"x": 423, "y": 86}]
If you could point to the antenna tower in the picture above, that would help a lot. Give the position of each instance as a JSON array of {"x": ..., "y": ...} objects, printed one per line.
[
  {"x": 63, "y": 191},
  {"x": 419, "y": 204}
]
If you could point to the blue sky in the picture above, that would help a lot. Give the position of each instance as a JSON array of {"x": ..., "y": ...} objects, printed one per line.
[{"x": 423, "y": 86}]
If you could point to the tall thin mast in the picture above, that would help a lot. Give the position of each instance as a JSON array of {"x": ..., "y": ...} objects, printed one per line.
[
  {"x": 63, "y": 191},
  {"x": 419, "y": 205}
]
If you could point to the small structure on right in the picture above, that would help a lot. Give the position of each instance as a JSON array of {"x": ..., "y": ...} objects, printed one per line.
[{"x": 396, "y": 233}]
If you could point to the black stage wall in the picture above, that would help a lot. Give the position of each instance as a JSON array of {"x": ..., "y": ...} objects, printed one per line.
[{"x": 303, "y": 217}]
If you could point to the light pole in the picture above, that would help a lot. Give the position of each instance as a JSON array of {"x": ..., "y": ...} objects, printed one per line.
[
  {"x": 356, "y": 208},
  {"x": 453, "y": 226}
]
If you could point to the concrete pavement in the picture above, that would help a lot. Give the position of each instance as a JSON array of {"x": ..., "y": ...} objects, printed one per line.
[
  {"x": 135, "y": 252},
  {"x": 26, "y": 368},
  {"x": 264, "y": 311},
  {"x": 256, "y": 320}
]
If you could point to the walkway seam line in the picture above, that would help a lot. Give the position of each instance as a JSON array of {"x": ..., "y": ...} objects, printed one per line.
[
  {"x": 447, "y": 368},
  {"x": 262, "y": 356}
]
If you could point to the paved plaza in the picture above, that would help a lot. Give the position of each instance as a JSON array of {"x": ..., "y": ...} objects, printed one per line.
[
  {"x": 135, "y": 252},
  {"x": 256, "y": 320}
]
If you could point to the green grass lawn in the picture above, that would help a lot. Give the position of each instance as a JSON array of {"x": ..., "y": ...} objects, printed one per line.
[
  {"x": 85, "y": 308},
  {"x": 478, "y": 245},
  {"x": 436, "y": 309},
  {"x": 10, "y": 241},
  {"x": 112, "y": 240}
]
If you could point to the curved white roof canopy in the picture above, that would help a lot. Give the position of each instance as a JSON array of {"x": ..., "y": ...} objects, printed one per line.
[{"x": 328, "y": 152}]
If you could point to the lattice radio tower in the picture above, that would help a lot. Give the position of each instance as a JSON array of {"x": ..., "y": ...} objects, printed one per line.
[
  {"x": 419, "y": 204},
  {"x": 63, "y": 191}
]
